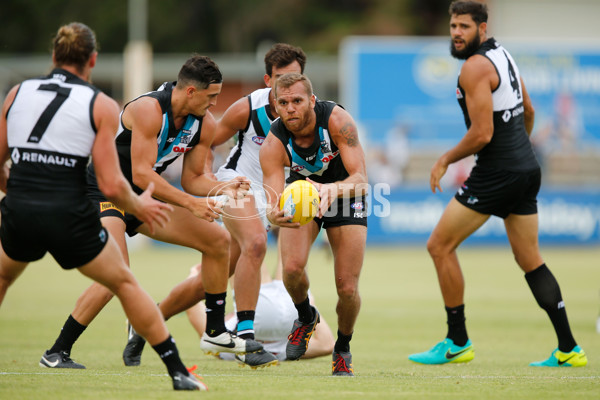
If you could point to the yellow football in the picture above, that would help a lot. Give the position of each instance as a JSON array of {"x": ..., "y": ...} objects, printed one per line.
[{"x": 300, "y": 200}]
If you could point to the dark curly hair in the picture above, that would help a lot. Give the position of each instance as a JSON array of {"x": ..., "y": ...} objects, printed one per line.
[
  {"x": 282, "y": 55},
  {"x": 477, "y": 10},
  {"x": 200, "y": 71}
]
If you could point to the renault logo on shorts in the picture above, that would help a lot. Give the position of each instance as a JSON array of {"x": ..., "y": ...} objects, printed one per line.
[{"x": 16, "y": 156}]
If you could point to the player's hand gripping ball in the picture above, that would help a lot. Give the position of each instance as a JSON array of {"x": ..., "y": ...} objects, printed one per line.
[{"x": 300, "y": 200}]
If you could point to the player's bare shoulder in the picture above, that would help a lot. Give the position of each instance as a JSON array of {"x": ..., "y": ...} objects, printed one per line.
[
  {"x": 106, "y": 103},
  {"x": 477, "y": 69},
  {"x": 106, "y": 112},
  {"x": 343, "y": 128},
  {"x": 144, "y": 111},
  {"x": 273, "y": 151},
  {"x": 238, "y": 111}
]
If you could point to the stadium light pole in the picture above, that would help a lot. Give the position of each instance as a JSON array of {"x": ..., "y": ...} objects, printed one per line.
[{"x": 137, "y": 78}]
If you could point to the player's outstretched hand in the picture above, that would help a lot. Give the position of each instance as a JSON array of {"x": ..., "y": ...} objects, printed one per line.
[{"x": 151, "y": 211}]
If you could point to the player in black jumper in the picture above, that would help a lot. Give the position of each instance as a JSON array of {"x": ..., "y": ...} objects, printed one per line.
[{"x": 504, "y": 182}]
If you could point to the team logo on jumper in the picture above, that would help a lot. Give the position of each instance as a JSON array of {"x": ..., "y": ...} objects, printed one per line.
[
  {"x": 258, "y": 140},
  {"x": 297, "y": 168},
  {"x": 185, "y": 139},
  {"x": 107, "y": 205},
  {"x": 325, "y": 148}
]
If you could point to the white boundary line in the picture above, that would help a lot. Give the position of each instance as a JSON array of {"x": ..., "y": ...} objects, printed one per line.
[{"x": 511, "y": 377}]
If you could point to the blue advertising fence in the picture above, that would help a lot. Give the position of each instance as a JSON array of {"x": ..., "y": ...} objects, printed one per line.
[{"x": 407, "y": 216}]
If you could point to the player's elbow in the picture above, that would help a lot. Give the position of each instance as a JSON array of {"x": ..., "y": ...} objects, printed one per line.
[
  {"x": 187, "y": 182},
  {"x": 484, "y": 135},
  {"x": 140, "y": 178},
  {"x": 112, "y": 188},
  {"x": 529, "y": 112},
  {"x": 187, "y": 187}
]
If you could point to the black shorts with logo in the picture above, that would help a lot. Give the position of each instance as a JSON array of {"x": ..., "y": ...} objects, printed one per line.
[
  {"x": 108, "y": 209},
  {"x": 499, "y": 192},
  {"x": 72, "y": 233},
  {"x": 344, "y": 211}
]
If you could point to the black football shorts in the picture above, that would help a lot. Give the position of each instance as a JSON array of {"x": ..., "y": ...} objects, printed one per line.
[
  {"x": 108, "y": 209},
  {"x": 344, "y": 211},
  {"x": 72, "y": 234},
  {"x": 499, "y": 192}
]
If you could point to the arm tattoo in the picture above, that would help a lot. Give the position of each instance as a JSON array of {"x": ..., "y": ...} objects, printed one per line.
[{"x": 348, "y": 131}]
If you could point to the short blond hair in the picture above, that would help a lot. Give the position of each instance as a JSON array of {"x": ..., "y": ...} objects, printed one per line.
[{"x": 287, "y": 80}]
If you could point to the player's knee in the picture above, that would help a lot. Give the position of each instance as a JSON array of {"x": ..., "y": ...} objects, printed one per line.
[
  {"x": 120, "y": 288},
  {"x": 255, "y": 246},
  {"x": 432, "y": 247},
  {"x": 347, "y": 290},
  {"x": 293, "y": 270},
  {"x": 436, "y": 248},
  {"x": 218, "y": 245}
]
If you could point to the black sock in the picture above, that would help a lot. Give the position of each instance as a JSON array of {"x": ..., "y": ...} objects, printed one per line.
[
  {"x": 69, "y": 334},
  {"x": 305, "y": 312},
  {"x": 457, "y": 330},
  {"x": 342, "y": 343},
  {"x": 546, "y": 291},
  {"x": 170, "y": 356},
  {"x": 245, "y": 325},
  {"x": 215, "y": 313}
]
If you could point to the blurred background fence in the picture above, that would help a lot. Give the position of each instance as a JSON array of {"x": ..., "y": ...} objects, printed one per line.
[{"x": 386, "y": 61}]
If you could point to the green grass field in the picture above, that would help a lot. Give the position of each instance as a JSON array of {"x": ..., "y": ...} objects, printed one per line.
[{"x": 402, "y": 313}]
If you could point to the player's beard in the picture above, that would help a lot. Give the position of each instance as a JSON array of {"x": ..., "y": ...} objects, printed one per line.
[
  {"x": 470, "y": 48},
  {"x": 299, "y": 124}
]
